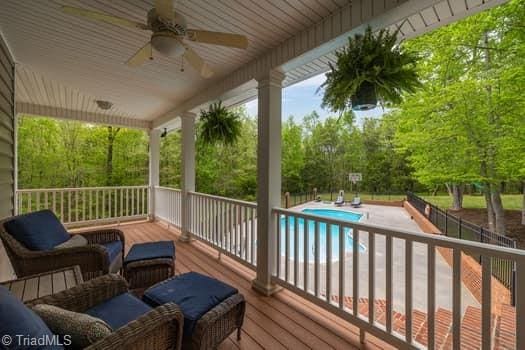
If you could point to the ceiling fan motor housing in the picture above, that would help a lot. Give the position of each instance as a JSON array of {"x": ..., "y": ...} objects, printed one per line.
[{"x": 158, "y": 24}]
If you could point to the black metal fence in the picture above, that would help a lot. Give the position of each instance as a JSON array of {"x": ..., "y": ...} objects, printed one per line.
[{"x": 453, "y": 226}]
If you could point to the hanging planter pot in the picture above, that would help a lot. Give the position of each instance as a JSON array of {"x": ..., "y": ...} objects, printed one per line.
[
  {"x": 372, "y": 68},
  {"x": 218, "y": 125},
  {"x": 364, "y": 98}
]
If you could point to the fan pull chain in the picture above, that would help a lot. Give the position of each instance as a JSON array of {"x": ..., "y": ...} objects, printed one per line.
[{"x": 182, "y": 64}]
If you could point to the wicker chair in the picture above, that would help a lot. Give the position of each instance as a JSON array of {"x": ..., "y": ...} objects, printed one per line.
[
  {"x": 160, "y": 328},
  {"x": 93, "y": 258}
]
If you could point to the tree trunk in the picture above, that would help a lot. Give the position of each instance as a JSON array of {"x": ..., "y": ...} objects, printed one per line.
[
  {"x": 490, "y": 209},
  {"x": 112, "y": 134},
  {"x": 457, "y": 197},
  {"x": 497, "y": 207},
  {"x": 523, "y": 207}
]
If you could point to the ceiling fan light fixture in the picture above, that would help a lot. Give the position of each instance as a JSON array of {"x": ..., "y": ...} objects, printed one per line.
[{"x": 167, "y": 44}]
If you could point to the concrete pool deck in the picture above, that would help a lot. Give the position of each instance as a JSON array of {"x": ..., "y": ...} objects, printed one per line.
[{"x": 394, "y": 218}]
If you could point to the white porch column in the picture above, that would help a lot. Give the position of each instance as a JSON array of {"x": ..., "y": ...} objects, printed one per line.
[
  {"x": 188, "y": 171},
  {"x": 154, "y": 166},
  {"x": 268, "y": 176}
]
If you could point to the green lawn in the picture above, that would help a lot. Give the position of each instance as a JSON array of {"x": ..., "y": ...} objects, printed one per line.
[{"x": 510, "y": 201}]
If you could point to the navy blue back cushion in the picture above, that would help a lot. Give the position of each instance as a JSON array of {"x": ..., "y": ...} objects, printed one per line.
[
  {"x": 40, "y": 230},
  {"x": 18, "y": 319},
  {"x": 195, "y": 294}
]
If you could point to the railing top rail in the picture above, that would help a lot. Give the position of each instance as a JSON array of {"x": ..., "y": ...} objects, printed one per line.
[
  {"x": 432, "y": 239},
  {"x": 168, "y": 188},
  {"x": 65, "y": 189},
  {"x": 225, "y": 199}
]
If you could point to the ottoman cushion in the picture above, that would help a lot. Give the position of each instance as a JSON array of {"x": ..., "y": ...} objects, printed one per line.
[
  {"x": 120, "y": 310},
  {"x": 151, "y": 250},
  {"x": 195, "y": 294}
]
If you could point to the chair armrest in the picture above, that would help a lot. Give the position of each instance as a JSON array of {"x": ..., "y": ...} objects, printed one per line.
[
  {"x": 90, "y": 258},
  {"x": 161, "y": 328},
  {"x": 229, "y": 315},
  {"x": 103, "y": 236},
  {"x": 86, "y": 295}
]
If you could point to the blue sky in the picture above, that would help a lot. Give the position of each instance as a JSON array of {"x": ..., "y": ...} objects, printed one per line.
[{"x": 302, "y": 98}]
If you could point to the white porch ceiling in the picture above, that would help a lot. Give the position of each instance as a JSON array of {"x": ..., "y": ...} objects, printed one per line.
[
  {"x": 88, "y": 57},
  {"x": 65, "y": 63}
]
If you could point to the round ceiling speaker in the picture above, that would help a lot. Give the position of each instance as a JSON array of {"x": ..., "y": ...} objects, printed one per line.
[{"x": 167, "y": 44}]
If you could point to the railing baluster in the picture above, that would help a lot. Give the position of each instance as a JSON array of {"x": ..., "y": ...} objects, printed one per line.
[
  {"x": 408, "y": 291},
  {"x": 61, "y": 206},
  {"x": 69, "y": 206},
  {"x": 306, "y": 254},
  {"x": 253, "y": 239},
  {"x": 486, "y": 304},
  {"x": 371, "y": 277},
  {"x": 246, "y": 256},
  {"x": 296, "y": 251},
  {"x": 317, "y": 273},
  {"x": 355, "y": 272},
  {"x": 37, "y": 200},
  {"x": 328, "y": 262},
  {"x": 76, "y": 205},
  {"x": 342, "y": 261},
  {"x": 431, "y": 295},
  {"x": 287, "y": 250},
  {"x": 389, "y": 280},
  {"x": 278, "y": 254},
  {"x": 456, "y": 299}
]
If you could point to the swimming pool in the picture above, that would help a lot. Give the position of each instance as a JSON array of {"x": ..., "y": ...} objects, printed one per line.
[{"x": 334, "y": 231}]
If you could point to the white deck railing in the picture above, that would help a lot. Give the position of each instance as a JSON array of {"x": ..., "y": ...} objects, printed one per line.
[
  {"x": 303, "y": 271},
  {"x": 168, "y": 202},
  {"x": 78, "y": 206},
  {"x": 226, "y": 224}
]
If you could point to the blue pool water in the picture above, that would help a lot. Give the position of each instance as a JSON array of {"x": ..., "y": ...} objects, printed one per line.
[{"x": 310, "y": 228}]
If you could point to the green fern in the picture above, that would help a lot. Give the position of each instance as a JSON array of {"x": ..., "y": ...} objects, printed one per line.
[
  {"x": 375, "y": 58},
  {"x": 219, "y": 125}
]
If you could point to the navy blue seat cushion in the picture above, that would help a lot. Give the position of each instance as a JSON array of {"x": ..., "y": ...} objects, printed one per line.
[
  {"x": 16, "y": 318},
  {"x": 195, "y": 294},
  {"x": 151, "y": 250},
  {"x": 120, "y": 310},
  {"x": 114, "y": 249},
  {"x": 40, "y": 230}
]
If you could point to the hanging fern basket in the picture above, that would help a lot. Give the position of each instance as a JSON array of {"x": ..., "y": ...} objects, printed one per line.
[
  {"x": 364, "y": 98},
  {"x": 371, "y": 68},
  {"x": 218, "y": 125}
]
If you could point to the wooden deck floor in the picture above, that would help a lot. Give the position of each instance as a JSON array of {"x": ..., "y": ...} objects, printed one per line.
[{"x": 283, "y": 321}]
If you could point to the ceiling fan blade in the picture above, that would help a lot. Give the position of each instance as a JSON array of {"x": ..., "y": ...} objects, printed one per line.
[
  {"x": 141, "y": 56},
  {"x": 198, "y": 63},
  {"x": 218, "y": 38},
  {"x": 100, "y": 16},
  {"x": 164, "y": 8}
]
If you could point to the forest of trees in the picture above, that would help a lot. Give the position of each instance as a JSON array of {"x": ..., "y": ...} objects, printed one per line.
[{"x": 464, "y": 130}]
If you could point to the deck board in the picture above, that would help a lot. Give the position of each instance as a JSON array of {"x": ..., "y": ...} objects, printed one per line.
[{"x": 284, "y": 321}]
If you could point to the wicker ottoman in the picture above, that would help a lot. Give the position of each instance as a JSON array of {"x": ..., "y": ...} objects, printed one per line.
[
  {"x": 212, "y": 309},
  {"x": 149, "y": 263}
]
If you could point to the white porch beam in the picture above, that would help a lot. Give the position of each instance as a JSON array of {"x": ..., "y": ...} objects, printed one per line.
[
  {"x": 268, "y": 176},
  {"x": 326, "y": 36},
  {"x": 154, "y": 169},
  {"x": 188, "y": 171},
  {"x": 82, "y": 116}
]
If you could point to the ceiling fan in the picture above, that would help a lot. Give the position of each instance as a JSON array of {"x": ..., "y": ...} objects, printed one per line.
[{"x": 169, "y": 35}]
